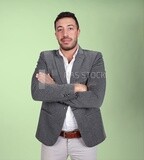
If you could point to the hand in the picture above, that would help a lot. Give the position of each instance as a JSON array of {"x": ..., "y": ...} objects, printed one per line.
[
  {"x": 44, "y": 78},
  {"x": 80, "y": 88}
]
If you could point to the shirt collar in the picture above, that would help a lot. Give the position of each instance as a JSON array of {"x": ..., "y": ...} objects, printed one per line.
[{"x": 73, "y": 55}]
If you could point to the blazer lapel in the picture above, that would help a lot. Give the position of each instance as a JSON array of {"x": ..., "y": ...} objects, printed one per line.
[
  {"x": 60, "y": 67},
  {"x": 77, "y": 65}
]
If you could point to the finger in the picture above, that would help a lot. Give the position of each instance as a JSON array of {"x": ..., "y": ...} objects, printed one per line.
[
  {"x": 41, "y": 73},
  {"x": 42, "y": 80},
  {"x": 49, "y": 77},
  {"x": 37, "y": 75}
]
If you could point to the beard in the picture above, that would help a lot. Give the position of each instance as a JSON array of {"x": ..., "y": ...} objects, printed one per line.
[{"x": 68, "y": 47}]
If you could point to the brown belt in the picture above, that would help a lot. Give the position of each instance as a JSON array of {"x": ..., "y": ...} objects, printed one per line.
[{"x": 72, "y": 134}]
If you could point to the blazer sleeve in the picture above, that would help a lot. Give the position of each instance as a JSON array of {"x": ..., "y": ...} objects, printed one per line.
[
  {"x": 96, "y": 84},
  {"x": 52, "y": 92}
]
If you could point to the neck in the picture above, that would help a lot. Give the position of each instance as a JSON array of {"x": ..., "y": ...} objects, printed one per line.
[{"x": 69, "y": 54}]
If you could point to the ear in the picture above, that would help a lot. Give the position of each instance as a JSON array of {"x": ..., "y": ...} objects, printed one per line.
[
  {"x": 55, "y": 35},
  {"x": 78, "y": 32}
]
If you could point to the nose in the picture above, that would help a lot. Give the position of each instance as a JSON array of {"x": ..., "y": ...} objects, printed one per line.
[{"x": 65, "y": 33}]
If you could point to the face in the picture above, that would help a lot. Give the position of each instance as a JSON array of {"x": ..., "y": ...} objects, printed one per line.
[{"x": 67, "y": 33}]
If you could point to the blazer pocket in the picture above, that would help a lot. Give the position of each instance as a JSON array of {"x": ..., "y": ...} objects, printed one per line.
[{"x": 46, "y": 111}]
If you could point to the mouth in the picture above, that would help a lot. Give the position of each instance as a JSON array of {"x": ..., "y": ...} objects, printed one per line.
[{"x": 66, "y": 40}]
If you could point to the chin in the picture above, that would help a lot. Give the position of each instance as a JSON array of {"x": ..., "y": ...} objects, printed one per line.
[{"x": 67, "y": 48}]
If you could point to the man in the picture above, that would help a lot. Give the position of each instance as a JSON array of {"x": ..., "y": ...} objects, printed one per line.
[{"x": 70, "y": 82}]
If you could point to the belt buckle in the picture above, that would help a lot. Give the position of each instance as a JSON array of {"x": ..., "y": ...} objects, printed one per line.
[{"x": 64, "y": 134}]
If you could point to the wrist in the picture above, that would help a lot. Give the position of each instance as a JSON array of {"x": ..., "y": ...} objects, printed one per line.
[
  {"x": 76, "y": 88},
  {"x": 80, "y": 88}
]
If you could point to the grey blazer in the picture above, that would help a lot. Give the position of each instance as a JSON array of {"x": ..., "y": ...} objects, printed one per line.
[{"x": 88, "y": 69}]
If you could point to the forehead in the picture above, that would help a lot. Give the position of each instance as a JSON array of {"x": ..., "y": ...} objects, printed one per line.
[{"x": 65, "y": 22}]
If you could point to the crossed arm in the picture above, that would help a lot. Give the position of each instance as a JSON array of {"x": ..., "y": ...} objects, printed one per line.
[
  {"x": 77, "y": 95},
  {"x": 48, "y": 80}
]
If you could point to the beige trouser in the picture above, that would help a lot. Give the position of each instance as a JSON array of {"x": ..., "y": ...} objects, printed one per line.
[{"x": 75, "y": 148}]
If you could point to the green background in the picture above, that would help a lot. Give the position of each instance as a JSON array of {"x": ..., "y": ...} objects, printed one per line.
[{"x": 113, "y": 27}]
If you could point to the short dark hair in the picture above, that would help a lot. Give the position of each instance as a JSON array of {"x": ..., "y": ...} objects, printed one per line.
[{"x": 65, "y": 15}]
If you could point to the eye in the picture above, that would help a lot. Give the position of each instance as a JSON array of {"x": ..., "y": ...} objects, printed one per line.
[
  {"x": 70, "y": 28},
  {"x": 59, "y": 29}
]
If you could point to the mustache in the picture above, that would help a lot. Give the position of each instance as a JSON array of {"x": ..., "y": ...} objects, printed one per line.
[{"x": 65, "y": 38}]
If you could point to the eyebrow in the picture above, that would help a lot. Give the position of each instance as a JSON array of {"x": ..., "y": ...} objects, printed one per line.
[
  {"x": 70, "y": 25},
  {"x": 67, "y": 26}
]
